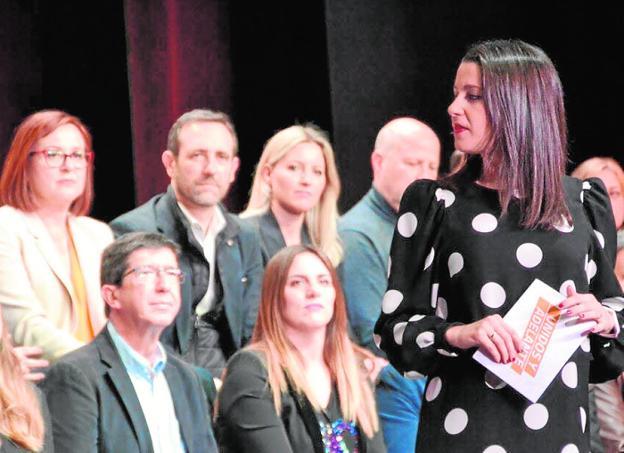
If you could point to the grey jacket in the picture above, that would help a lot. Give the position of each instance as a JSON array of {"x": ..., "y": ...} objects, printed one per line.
[
  {"x": 95, "y": 408},
  {"x": 239, "y": 267}
]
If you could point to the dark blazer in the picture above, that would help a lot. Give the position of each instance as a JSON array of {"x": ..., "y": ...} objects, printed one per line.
[
  {"x": 248, "y": 423},
  {"x": 95, "y": 408},
  {"x": 272, "y": 240},
  {"x": 239, "y": 266}
]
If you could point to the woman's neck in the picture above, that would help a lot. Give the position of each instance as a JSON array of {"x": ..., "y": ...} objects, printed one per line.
[
  {"x": 290, "y": 224},
  {"x": 489, "y": 175},
  {"x": 53, "y": 217},
  {"x": 311, "y": 344}
]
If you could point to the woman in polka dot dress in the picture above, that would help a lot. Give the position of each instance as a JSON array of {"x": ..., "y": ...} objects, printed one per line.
[{"x": 467, "y": 247}]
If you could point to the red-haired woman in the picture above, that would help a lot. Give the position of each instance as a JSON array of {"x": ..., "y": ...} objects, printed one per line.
[
  {"x": 49, "y": 251},
  {"x": 22, "y": 425},
  {"x": 300, "y": 386},
  {"x": 466, "y": 248}
]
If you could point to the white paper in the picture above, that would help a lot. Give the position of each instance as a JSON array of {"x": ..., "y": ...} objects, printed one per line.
[{"x": 549, "y": 338}]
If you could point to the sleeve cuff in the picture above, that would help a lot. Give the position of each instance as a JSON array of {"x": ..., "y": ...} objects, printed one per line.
[{"x": 616, "y": 325}]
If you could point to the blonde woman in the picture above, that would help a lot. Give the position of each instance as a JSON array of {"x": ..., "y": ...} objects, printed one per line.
[
  {"x": 21, "y": 421},
  {"x": 295, "y": 193},
  {"x": 300, "y": 386}
]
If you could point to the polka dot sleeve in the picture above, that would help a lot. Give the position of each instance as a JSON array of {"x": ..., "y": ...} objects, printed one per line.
[
  {"x": 411, "y": 320},
  {"x": 608, "y": 353}
]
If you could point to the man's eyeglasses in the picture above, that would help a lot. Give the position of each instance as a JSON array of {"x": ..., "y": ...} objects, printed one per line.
[
  {"x": 55, "y": 157},
  {"x": 149, "y": 273}
]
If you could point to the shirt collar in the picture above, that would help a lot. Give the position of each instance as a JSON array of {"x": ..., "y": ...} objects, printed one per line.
[
  {"x": 132, "y": 360},
  {"x": 380, "y": 203},
  {"x": 216, "y": 225}
]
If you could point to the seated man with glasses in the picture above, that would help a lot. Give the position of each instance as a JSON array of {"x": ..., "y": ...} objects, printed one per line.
[{"x": 124, "y": 391}]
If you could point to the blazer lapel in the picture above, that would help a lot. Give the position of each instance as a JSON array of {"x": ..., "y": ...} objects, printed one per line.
[
  {"x": 46, "y": 247},
  {"x": 122, "y": 383},
  {"x": 178, "y": 394}
]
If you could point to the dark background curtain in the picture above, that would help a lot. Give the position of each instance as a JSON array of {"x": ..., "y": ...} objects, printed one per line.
[{"x": 128, "y": 69}]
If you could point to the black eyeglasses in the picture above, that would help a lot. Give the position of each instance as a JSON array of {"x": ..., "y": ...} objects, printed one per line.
[
  {"x": 55, "y": 157},
  {"x": 149, "y": 273}
]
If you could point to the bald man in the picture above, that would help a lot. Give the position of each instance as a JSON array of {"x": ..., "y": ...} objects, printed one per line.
[{"x": 405, "y": 150}]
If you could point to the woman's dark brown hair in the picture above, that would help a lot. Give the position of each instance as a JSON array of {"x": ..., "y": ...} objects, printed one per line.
[{"x": 528, "y": 146}]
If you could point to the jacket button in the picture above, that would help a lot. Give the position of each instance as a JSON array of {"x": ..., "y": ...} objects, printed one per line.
[
  {"x": 244, "y": 280},
  {"x": 230, "y": 242}
]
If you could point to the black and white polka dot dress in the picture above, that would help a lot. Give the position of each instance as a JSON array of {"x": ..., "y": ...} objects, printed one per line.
[{"x": 454, "y": 259}]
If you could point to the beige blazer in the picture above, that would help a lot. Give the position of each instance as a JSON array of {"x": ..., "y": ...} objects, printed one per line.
[{"x": 36, "y": 292}]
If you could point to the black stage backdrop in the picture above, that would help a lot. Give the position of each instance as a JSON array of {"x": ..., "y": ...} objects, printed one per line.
[{"x": 129, "y": 68}]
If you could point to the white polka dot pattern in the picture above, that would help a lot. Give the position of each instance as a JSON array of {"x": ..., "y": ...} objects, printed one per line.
[
  {"x": 377, "y": 340},
  {"x": 493, "y": 381},
  {"x": 413, "y": 375},
  {"x": 494, "y": 449},
  {"x": 536, "y": 416},
  {"x": 398, "y": 330},
  {"x": 484, "y": 223},
  {"x": 434, "y": 294},
  {"x": 529, "y": 255},
  {"x": 563, "y": 289},
  {"x": 446, "y": 195},
  {"x": 600, "y": 237},
  {"x": 442, "y": 310},
  {"x": 416, "y": 318},
  {"x": 446, "y": 353},
  {"x": 591, "y": 270},
  {"x": 455, "y": 263},
  {"x": 569, "y": 375},
  {"x": 389, "y": 266},
  {"x": 583, "y": 415},
  {"x": 564, "y": 225},
  {"x": 433, "y": 389},
  {"x": 425, "y": 339},
  {"x": 570, "y": 448},
  {"x": 429, "y": 258},
  {"x": 392, "y": 299},
  {"x": 456, "y": 421},
  {"x": 586, "y": 185},
  {"x": 407, "y": 224},
  {"x": 493, "y": 295}
]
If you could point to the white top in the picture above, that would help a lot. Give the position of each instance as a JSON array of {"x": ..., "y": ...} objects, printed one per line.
[{"x": 208, "y": 244}]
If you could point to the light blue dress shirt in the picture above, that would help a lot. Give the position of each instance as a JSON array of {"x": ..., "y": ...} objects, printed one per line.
[{"x": 152, "y": 390}]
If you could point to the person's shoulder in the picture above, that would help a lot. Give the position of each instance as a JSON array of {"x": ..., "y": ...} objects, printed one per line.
[
  {"x": 248, "y": 359},
  {"x": 12, "y": 219},
  {"x": 247, "y": 227},
  {"x": 141, "y": 218},
  {"x": 353, "y": 217},
  {"x": 82, "y": 361},
  {"x": 99, "y": 228},
  {"x": 427, "y": 191}
]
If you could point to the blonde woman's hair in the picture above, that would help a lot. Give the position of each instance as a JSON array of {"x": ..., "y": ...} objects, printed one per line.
[
  {"x": 20, "y": 415},
  {"x": 285, "y": 363},
  {"x": 321, "y": 221},
  {"x": 591, "y": 167}
]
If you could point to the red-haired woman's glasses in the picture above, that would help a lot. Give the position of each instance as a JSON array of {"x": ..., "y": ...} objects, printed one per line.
[{"x": 55, "y": 157}]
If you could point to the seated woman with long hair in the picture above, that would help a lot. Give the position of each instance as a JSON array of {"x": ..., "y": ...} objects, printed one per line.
[
  {"x": 301, "y": 385},
  {"x": 21, "y": 421},
  {"x": 49, "y": 251},
  {"x": 295, "y": 193}
]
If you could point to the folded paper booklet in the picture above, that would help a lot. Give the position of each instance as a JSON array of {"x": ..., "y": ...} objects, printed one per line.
[{"x": 549, "y": 338}]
